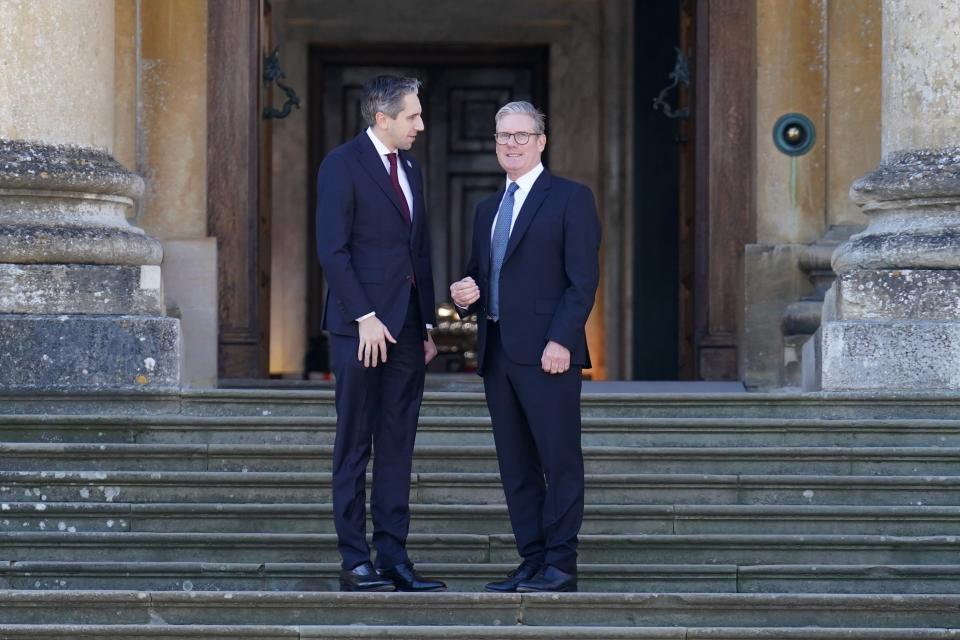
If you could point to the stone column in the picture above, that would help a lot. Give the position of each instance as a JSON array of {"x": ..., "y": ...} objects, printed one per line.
[
  {"x": 81, "y": 302},
  {"x": 892, "y": 318}
]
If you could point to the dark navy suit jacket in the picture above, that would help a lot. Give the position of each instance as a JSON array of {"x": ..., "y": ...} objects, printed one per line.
[
  {"x": 368, "y": 252},
  {"x": 550, "y": 271}
]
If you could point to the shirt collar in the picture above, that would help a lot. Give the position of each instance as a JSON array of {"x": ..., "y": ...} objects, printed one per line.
[
  {"x": 381, "y": 148},
  {"x": 526, "y": 181}
]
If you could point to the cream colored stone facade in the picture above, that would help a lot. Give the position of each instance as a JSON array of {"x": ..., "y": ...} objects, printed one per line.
[
  {"x": 145, "y": 101},
  {"x": 57, "y": 71},
  {"x": 820, "y": 58}
]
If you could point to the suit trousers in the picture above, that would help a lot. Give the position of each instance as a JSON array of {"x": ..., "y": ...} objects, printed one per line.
[
  {"x": 536, "y": 428},
  {"x": 376, "y": 406}
]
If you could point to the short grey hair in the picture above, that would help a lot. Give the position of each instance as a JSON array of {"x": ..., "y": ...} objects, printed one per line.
[
  {"x": 385, "y": 94},
  {"x": 527, "y": 109}
]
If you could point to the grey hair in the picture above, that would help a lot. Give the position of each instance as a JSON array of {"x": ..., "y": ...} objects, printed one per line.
[
  {"x": 527, "y": 109},
  {"x": 385, "y": 94}
]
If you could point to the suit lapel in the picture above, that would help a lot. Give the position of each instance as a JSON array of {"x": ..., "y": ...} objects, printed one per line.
[
  {"x": 418, "y": 213},
  {"x": 531, "y": 206},
  {"x": 373, "y": 165}
]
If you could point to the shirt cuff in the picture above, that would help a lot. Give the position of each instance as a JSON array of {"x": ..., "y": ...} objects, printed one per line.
[
  {"x": 429, "y": 327},
  {"x": 369, "y": 315}
]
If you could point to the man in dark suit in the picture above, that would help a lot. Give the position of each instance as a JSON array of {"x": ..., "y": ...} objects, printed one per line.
[
  {"x": 532, "y": 278},
  {"x": 374, "y": 247}
]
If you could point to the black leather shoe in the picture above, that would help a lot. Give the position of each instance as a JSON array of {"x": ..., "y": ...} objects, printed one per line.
[
  {"x": 549, "y": 578},
  {"x": 525, "y": 571},
  {"x": 363, "y": 578},
  {"x": 405, "y": 578}
]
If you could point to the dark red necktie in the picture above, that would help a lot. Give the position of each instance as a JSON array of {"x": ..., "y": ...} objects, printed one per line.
[{"x": 395, "y": 180}]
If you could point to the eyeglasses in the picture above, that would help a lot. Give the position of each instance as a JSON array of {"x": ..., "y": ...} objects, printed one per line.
[{"x": 520, "y": 137}]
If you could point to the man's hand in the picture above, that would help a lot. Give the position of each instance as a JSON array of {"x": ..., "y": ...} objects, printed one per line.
[
  {"x": 556, "y": 358},
  {"x": 373, "y": 341},
  {"x": 429, "y": 349},
  {"x": 464, "y": 292}
]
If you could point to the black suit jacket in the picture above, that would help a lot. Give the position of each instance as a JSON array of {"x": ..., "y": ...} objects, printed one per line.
[
  {"x": 550, "y": 271},
  {"x": 368, "y": 252}
]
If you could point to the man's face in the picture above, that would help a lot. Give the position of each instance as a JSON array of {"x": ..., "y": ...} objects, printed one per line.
[
  {"x": 400, "y": 132},
  {"x": 519, "y": 159}
]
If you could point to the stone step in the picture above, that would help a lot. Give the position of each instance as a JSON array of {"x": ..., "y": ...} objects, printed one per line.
[
  {"x": 478, "y": 488},
  {"x": 197, "y": 576},
  {"x": 866, "y": 611},
  {"x": 460, "y": 430},
  {"x": 481, "y": 519},
  {"x": 863, "y": 461},
  {"x": 737, "y": 549},
  {"x": 596, "y": 403},
  {"x": 599, "y": 578},
  {"x": 432, "y": 632}
]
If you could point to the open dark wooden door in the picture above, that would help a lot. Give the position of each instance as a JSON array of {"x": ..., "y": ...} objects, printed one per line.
[{"x": 692, "y": 176}]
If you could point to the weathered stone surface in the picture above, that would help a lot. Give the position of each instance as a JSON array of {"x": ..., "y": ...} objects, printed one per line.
[
  {"x": 155, "y": 631},
  {"x": 910, "y": 175},
  {"x": 50, "y": 243},
  {"x": 912, "y": 200},
  {"x": 902, "y": 294},
  {"x": 190, "y": 287},
  {"x": 89, "y": 352},
  {"x": 35, "y": 165},
  {"x": 811, "y": 366},
  {"x": 323, "y": 576},
  {"x": 921, "y": 74},
  {"x": 771, "y": 282},
  {"x": 66, "y": 204},
  {"x": 849, "y": 578},
  {"x": 80, "y": 289},
  {"x": 300, "y": 458},
  {"x": 891, "y": 355},
  {"x": 911, "y": 247}
]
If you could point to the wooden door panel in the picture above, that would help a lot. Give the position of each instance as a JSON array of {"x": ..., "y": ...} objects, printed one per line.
[
  {"x": 463, "y": 167},
  {"x": 234, "y": 173}
]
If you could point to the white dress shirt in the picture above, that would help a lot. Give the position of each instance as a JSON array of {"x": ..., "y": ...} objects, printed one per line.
[
  {"x": 524, "y": 184},
  {"x": 401, "y": 170}
]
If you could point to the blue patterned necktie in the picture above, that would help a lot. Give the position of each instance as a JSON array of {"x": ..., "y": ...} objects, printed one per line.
[{"x": 498, "y": 248}]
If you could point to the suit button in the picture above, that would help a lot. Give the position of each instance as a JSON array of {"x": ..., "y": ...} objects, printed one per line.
[{"x": 408, "y": 277}]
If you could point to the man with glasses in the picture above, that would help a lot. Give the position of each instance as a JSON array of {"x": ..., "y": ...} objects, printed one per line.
[{"x": 532, "y": 278}]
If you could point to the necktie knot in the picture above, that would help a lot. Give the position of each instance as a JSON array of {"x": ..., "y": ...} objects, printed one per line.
[
  {"x": 512, "y": 188},
  {"x": 392, "y": 157}
]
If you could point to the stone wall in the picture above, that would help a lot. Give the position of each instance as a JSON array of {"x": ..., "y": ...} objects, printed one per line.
[{"x": 820, "y": 58}]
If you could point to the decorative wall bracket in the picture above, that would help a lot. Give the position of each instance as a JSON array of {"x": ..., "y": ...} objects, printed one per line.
[
  {"x": 679, "y": 76},
  {"x": 273, "y": 74}
]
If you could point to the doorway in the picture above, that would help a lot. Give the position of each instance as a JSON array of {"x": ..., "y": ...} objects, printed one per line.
[
  {"x": 663, "y": 265},
  {"x": 462, "y": 88}
]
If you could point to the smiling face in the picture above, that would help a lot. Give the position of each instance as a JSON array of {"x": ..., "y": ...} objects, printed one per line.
[
  {"x": 519, "y": 159},
  {"x": 400, "y": 132}
]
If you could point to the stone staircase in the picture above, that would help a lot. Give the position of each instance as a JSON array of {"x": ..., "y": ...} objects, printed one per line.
[{"x": 713, "y": 516}]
